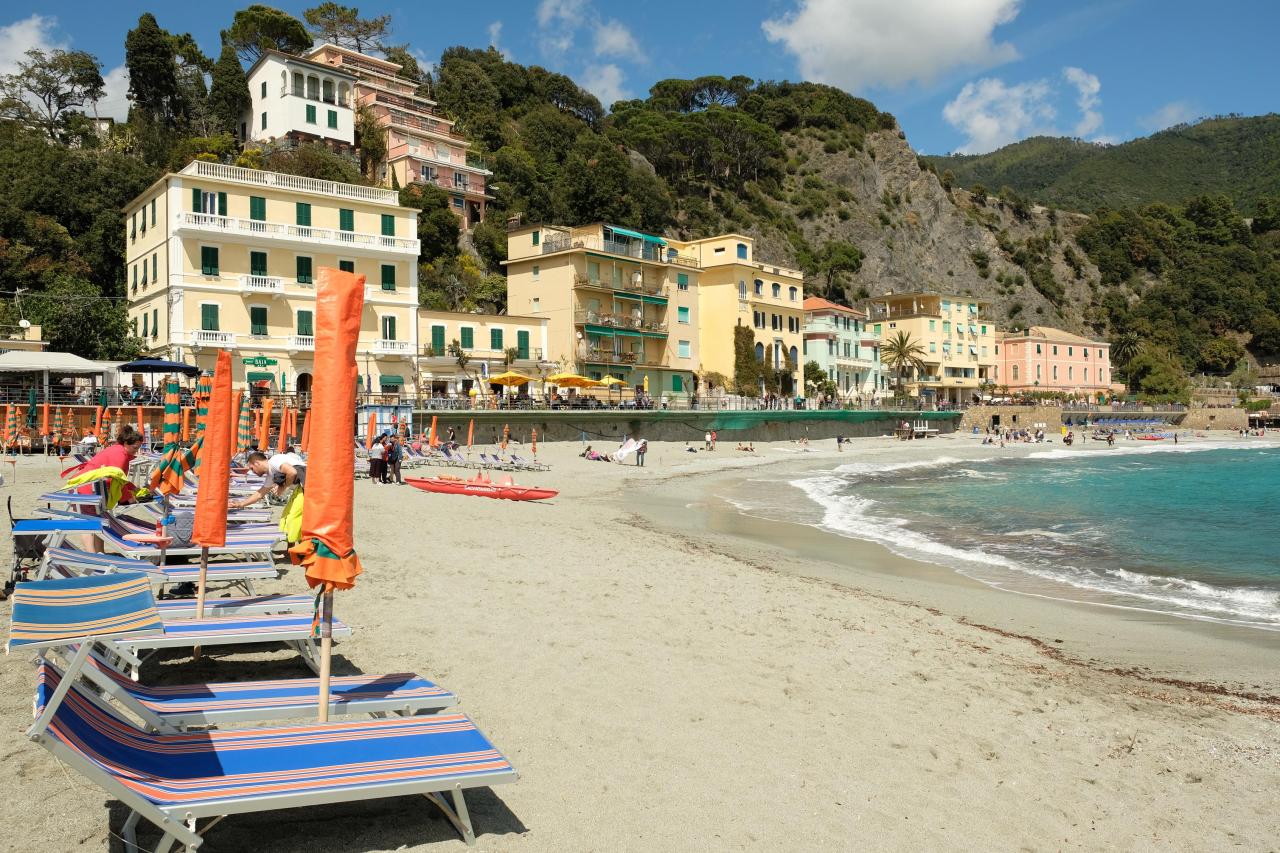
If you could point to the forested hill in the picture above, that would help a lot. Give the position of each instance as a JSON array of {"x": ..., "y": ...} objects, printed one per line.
[{"x": 1232, "y": 155}]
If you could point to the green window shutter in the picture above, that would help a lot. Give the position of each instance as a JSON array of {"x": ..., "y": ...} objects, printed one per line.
[
  {"x": 346, "y": 219},
  {"x": 537, "y": 235},
  {"x": 304, "y": 214},
  {"x": 388, "y": 225},
  {"x": 222, "y": 204},
  {"x": 196, "y": 198},
  {"x": 495, "y": 340},
  {"x": 677, "y": 382},
  {"x": 209, "y": 318},
  {"x": 257, "y": 320},
  {"x": 388, "y": 276},
  {"x": 522, "y": 344},
  {"x": 257, "y": 263},
  {"x": 257, "y": 208},
  {"x": 146, "y": 325},
  {"x": 305, "y": 326},
  {"x": 208, "y": 260},
  {"x": 347, "y": 266},
  {"x": 311, "y": 114},
  {"x": 682, "y": 314},
  {"x": 682, "y": 280},
  {"x": 388, "y": 328},
  {"x": 437, "y": 340},
  {"x": 468, "y": 337},
  {"x": 304, "y": 270},
  {"x": 155, "y": 322},
  {"x": 333, "y": 118},
  {"x": 155, "y": 267},
  {"x": 153, "y": 212}
]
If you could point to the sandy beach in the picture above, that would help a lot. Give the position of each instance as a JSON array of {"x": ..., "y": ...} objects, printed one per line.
[{"x": 669, "y": 675}]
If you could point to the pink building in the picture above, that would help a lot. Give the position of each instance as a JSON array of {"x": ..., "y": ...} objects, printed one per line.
[
  {"x": 1047, "y": 359},
  {"x": 422, "y": 146}
]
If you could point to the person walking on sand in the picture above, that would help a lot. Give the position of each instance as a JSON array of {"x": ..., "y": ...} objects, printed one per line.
[
  {"x": 377, "y": 461},
  {"x": 714, "y": 439},
  {"x": 706, "y": 440},
  {"x": 640, "y": 452}
]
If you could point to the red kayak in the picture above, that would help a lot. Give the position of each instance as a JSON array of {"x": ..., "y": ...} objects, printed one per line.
[{"x": 480, "y": 488}]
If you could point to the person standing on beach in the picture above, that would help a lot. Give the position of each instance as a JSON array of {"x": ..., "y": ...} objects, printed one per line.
[
  {"x": 706, "y": 440},
  {"x": 395, "y": 454},
  {"x": 714, "y": 438},
  {"x": 377, "y": 461},
  {"x": 640, "y": 452}
]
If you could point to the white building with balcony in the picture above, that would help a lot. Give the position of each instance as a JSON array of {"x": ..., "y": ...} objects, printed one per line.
[
  {"x": 297, "y": 99},
  {"x": 836, "y": 337}
]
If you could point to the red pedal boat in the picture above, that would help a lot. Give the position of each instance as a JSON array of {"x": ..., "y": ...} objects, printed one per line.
[{"x": 480, "y": 488}]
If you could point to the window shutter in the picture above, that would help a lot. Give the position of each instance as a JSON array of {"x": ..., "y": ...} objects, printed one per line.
[
  {"x": 468, "y": 337},
  {"x": 258, "y": 263},
  {"x": 388, "y": 328},
  {"x": 257, "y": 208},
  {"x": 677, "y": 383},
  {"x": 146, "y": 326},
  {"x": 304, "y": 214},
  {"x": 522, "y": 344},
  {"x": 388, "y": 225},
  {"x": 333, "y": 118},
  {"x": 209, "y": 318},
  {"x": 346, "y": 219},
  {"x": 388, "y": 277},
  {"x": 153, "y": 212},
  {"x": 222, "y": 204},
  {"x": 208, "y": 260},
  {"x": 305, "y": 327},
  {"x": 495, "y": 340},
  {"x": 437, "y": 340},
  {"x": 304, "y": 271},
  {"x": 347, "y": 266},
  {"x": 257, "y": 319}
]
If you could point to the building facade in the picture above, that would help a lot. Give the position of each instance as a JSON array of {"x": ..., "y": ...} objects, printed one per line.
[
  {"x": 1043, "y": 358},
  {"x": 836, "y": 337},
  {"x": 221, "y": 257},
  {"x": 616, "y": 302},
  {"x": 422, "y": 146},
  {"x": 490, "y": 343},
  {"x": 957, "y": 337},
  {"x": 298, "y": 100},
  {"x": 736, "y": 289}
]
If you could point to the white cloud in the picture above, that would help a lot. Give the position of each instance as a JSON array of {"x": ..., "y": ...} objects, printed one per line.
[
  {"x": 560, "y": 11},
  {"x": 613, "y": 39},
  {"x": 1087, "y": 88},
  {"x": 605, "y": 82},
  {"x": 1174, "y": 112},
  {"x": 856, "y": 44},
  {"x": 36, "y": 31},
  {"x": 495, "y": 34},
  {"x": 115, "y": 98},
  {"x": 992, "y": 114}
]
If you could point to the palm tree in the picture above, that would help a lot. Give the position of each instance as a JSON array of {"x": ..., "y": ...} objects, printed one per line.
[
  {"x": 903, "y": 354},
  {"x": 1124, "y": 349}
]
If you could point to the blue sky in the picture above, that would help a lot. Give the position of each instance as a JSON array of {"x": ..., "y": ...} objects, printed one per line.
[{"x": 961, "y": 75}]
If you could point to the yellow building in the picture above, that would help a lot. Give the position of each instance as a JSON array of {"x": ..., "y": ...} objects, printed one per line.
[
  {"x": 617, "y": 302},
  {"x": 220, "y": 257},
  {"x": 487, "y": 340},
  {"x": 958, "y": 339},
  {"x": 736, "y": 289}
]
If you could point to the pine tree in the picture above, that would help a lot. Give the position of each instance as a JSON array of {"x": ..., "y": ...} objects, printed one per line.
[
  {"x": 153, "y": 78},
  {"x": 229, "y": 94}
]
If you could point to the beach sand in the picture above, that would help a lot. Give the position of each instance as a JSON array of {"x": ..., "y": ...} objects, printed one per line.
[{"x": 666, "y": 678}]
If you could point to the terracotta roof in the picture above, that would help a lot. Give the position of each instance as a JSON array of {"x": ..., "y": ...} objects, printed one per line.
[{"x": 817, "y": 303}]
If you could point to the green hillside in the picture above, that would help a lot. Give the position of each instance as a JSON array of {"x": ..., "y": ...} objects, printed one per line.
[{"x": 1232, "y": 155}]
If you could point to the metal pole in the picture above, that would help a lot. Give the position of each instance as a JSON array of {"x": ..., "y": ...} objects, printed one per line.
[
  {"x": 200, "y": 590},
  {"x": 326, "y": 651}
]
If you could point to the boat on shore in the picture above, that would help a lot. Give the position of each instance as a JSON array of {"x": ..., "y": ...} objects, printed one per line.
[{"x": 481, "y": 488}]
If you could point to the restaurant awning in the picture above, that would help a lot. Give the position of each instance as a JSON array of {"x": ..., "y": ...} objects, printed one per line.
[
  {"x": 391, "y": 379},
  {"x": 648, "y": 238},
  {"x": 18, "y": 361},
  {"x": 259, "y": 376}
]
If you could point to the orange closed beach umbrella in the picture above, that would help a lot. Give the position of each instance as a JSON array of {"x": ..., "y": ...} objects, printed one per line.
[
  {"x": 210, "y": 527},
  {"x": 533, "y": 440},
  {"x": 138, "y": 410},
  {"x": 264, "y": 426},
  {"x": 44, "y": 418},
  {"x": 471, "y": 432},
  {"x": 326, "y": 546},
  {"x": 434, "y": 439},
  {"x": 186, "y": 423},
  {"x": 283, "y": 439},
  {"x": 306, "y": 431},
  {"x": 369, "y": 430}
]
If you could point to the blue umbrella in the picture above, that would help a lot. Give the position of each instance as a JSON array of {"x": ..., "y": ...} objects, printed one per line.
[{"x": 159, "y": 365}]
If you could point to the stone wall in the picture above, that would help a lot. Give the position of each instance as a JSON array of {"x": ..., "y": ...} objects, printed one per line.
[
  {"x": 1233, "y": 418},
  {"x": 1020, "y": 417}
]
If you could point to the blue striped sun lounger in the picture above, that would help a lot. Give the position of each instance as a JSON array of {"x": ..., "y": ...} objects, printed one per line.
[
  {"x": 241, "y": 574},
  {"x": 173, "y": 780},
  {"x": 239, "y": 541}
]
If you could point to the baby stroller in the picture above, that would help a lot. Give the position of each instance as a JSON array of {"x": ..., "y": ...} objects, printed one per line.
[{"x": 28, "y": 552}]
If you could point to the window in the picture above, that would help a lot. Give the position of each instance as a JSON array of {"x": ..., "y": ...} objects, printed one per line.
[
  {"x": 257, "y": 208},
  {"x": 522, "y": 344},
  {"x": 258, "y": 263},
  {"x": 1055, "y": 350},
  {"x": 677, "y": 382},
  {"x": 133, "y": 228},
  {"x": 208, "y": 260},
  {"x": 303, "y": 216},
  {"x": 346, "y": 219},
  {"x": 1037, "y": 373},
  {"x": 1071, "y": 350},
  {"x": 209, "y": 317},
  {"x": 760, "y": 352},
  {"x": 306, "y": 325},
  {"x": 311, "y": 115},
  {"x": 304, "y": 270},
  {"x": 933, "y": 346},
  {"x": 742, "y": 251},
  {"x": 759, "y": 287},
  {"x": 984, "y": 329},
  {"x": 258, "y": 321},
  {"x": 1037, "y": 349},
  {"x": 495, "y": 340},
  {"x": 144, "y": 270},
  {"x": 264, "y": 88},
  {"x": 333, "y": 119},
  {"x": 931, "y": 325},
  {"x": 1015, "y": 373},
  {"x": 537, "y": 271},
  {"x": 388, "y": 225},
  {"x": 468, "y": 336},
  {"x": 146, "y": 326},
  {"x": 457, "y": 202},
  {"x": 155, "y": 322},
  {"x": 878, "y": 327},
  {"x": 1099, "y": 353},
  {"x": 682, "y": 315},
  {"x": 791, "y": 293},
  {"x": 388, "y": 276},
  {"x": 946, "y": 305},
  {"x": 135, "y": 277},
  {"x": 263, "y": 121},
  {"x": 1055, "y": 373},
  {"x": 536, "y": 305},
  {"x": 536, "y": 236},
  {"x": 777, "y": 290},
  {"x": 593, "y": 271},
  {"x": 388, "y": 328},
  {"x": 347, "y": 266},
  {"x": 143, "y": 217},
  {"x": 437, "y": 340},
  {"x": 153, "y": 212},
  {"x": 1071, "y": 373},
  {"x": 946, "y": 327},
  {"x": 742, "y": 288},
  {"x": 682, "y": 281},
  {"x": 155, "y": 267},
  {"x": 214, "y": 204},
  {"x": 682, "y": 349},
  {"x": 719, "y": 250}
]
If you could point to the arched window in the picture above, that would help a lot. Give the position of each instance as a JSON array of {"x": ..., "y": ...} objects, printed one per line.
[
  {"x": 313, "y": 87},
  {"x": 759, "y": 287},
  {"x": 742, "y": 251},
  {"x": 777, "y": 290},
  {"x": 298, "y": 86},
  {"x": 1015, "y": 373},
  {"x": 792, "y": 291},
  {"x": 327, "y": 88},
  {"x": 1071, "y": 373},
  {"x": 793, "y": 359},
  {"x": 1038, "y": 373},
  {"x": 759, "y": 352},
  {"x": 344, "y": 94}
]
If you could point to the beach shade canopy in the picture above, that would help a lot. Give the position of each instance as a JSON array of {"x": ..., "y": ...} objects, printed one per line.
[
  {"x": 510, "y": 378},
  {"x": 573, "y": 380},
  {"x": 158, "y": 365},
  {"x": 166, "y": 476},
  {"x": 326, "y": 544}
]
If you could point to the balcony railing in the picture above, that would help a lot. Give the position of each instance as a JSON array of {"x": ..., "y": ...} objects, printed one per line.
[
  {"x": 335, "y": 101},
  {"x": 600, "y": 356},
  {"x": 646, "y": 288},
  {"x": 374, "y": 292},
  {"x": 438, "y": 358},
  {"x": 301, "y": 343},
  {"x": 258, "y": 178},
  {"x": 206, "y": 338},
  {"x": 620, "y": 321},
  {"x": 285, "y": 231},
  {"x": 640, "y": 250},
  {"x": 385, "y": 347},
  {"x": 262, "y": 284}
]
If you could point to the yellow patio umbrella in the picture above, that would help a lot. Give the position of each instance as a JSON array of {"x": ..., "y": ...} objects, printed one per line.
[
  {"x": 573, "y": 380},
  {"x": 611, "y": 381},
  {"x": 510, "y": 378}
]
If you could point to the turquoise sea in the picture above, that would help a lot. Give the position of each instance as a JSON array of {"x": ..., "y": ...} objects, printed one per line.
[{"x": 1183, "y": 530}]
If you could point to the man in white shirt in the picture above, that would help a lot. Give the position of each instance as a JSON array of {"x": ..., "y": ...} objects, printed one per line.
[{"x": 282, "y": 471}]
